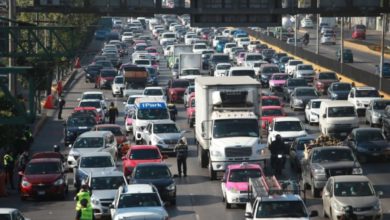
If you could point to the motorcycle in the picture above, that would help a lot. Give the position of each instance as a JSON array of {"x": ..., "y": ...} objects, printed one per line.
[{"x": 278, "y": 162}]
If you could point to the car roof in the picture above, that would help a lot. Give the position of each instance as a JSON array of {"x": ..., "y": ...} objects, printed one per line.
[
  {"x": 90, "y": 100},
  {"x": 272, "y": 107},
  {"x": 105, "y": 173},
  {"x": 140, "y": 147},
  {"x": 93, "y": 92},
  {"x": 96, "y": 154},
  {"x": 138, "y": 188},
  {"x": 287, "y": 119},
  {"x": 94, "y": 134},
  {"x": 244, "y": 165},
  {"x": 351, "y": 178},
  {"x": 240, "y": 68},
  {"x": 153, "y": 87},
  {"x": 364, "y": 88},
  {"x": 7, "y": 210},
  {"x": 165, "y": 121}
]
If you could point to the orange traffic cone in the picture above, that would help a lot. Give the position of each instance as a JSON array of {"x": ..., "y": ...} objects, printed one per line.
[
  {"x": 77, "y": 64},
  {"x": 49, "y": 102}
]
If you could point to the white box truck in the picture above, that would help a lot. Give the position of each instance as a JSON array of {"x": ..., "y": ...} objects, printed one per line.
[
  {"x": 190, "y": 65},
  {"x": 177, "y": 50},
  {"x": 227, "y": 125}
]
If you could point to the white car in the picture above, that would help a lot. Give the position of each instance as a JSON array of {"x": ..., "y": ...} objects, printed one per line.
[
  {"x": 291, "y": 66},
  {"x": 243, "y": 42},
  {"x": 129, "y": 104},
  {"x": 360, "y": 97},
  {"x": 127, "y": 36},
  {"x": 188, "y": 38},
  {"x": 252, "y": 45},
  {"x": 304, "y": 71},
  {"x": 138, "y": 201},
  {"x": 312, "y": 110},
  {"x": 221, "y": 69},
  {"x": 11, "y": 214},
  {"x": 199, "y": 48},
  {"x": 154, "y": 91},
  {"x": 117, "y": 86},
  {"x": 251, "y": 58},
  {"x": 165, "y": 134},
  {"x": 168, "y": 50},
  {"x": 291, "y": 41},
  {"x": 228, "y": 47},
  {"x": 94, "y": 95},
  {"x": 167, "y": 36},
  {"x": 307, "y": 23},
  {"x": 287, "y": 127},
  {"x": 328, "y": 38},
  {"x": 100, "y": 108},
  {"x": 257, "y": 66}
]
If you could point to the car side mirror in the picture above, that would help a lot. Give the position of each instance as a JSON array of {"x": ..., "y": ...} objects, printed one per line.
[
  {"x": 313, "y": 213},
  {"x": 326, "y": 193},
  {"x": 111, "y": 206},
  {"x": 248, "y": 215},
  {"x": 379, "y": 193},
  {"x": 324, "y": 116}
]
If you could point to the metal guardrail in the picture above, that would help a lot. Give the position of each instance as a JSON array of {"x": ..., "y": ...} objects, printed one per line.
[{"x": 347, "y": 70}]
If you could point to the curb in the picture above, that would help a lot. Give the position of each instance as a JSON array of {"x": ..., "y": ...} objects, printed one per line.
[{"x": 363, "y": 48}]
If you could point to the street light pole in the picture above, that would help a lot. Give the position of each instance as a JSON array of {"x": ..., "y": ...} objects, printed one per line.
[
  {"x": 296, "y": 31},
  {"x": 11, "y": 46},
  {"x": 384, "y": 19},
  {"x": 318, "y": 35},
  {"x": 342, "y": 41}
]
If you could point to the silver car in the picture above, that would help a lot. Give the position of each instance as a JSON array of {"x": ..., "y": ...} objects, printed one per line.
[
  {"x": 104, "y": 186},
  {"x": 352, "y": 190},
  {"x": 375, "y": 110}
]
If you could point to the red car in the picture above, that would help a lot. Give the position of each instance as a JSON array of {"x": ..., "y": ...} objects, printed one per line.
[
  {"x": 89, "y": 110},
  {"x": 176, "y": 88},
  {"x": 138, "y": 154},
  {"x": 190, "y": 111},
  {"x": 44, "y": 176},
  {"x": 268, "y": 113},
  {"x": 105, "y": 78},
  {"x": 271, "y": 101},
  {"x": 359, "y": 32},
  {"x": 120, "y": 136}
]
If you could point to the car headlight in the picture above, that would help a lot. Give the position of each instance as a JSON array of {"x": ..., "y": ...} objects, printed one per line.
[
  {"x": 298, "y": 101},
  {"x": 336, "y": 206},
  {"x": 318, "y": 170},
  {"x": 25, "y": 183},
  {"x": 357, "y": 171},
  {"x": 377, "y": 205},
  {"x": 59, "y": 182},
  {"x": 377, "y": 114},
  {"x": 171, "y": 187},
  {"x": 216, "y": 153},
  {"x": 95, "y": 201},
  {"x": 359, "y": 103}
]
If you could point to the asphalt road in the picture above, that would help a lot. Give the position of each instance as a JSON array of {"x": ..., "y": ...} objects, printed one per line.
[{"x": 198, "y": 197}]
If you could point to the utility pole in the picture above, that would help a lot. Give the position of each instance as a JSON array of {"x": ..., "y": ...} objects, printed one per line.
[
  {"x": 11, "y": 45},
  {"x": 342, "y": 41},
  {"x": 296, "y": 31},
  {"x": 318, "y": 35},
  {"x": 384, "y": 23}
]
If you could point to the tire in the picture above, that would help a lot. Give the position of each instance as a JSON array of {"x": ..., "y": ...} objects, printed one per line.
[
  {"x": 173, "y": 201},
  {"x": 191, "y": 124},
  {"x": 202, "y": 157},
  {"x": 314, "y": 191},
  {"x": 212, "y": 173},
  {"x": 228, "y": 205}
]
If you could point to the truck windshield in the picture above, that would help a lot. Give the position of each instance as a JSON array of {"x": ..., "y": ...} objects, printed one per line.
[
  {"x": 190, "y": 72},
  {"x": 341, "y": 112},
  {"x": 281, "y": 209},
  {"x": 235, "y": 128},
  {"x": 243, "y": 175},
  {"x": 152, "y": 114}
]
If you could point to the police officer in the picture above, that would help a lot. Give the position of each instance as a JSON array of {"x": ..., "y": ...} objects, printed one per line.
[
  {"x": 276, "y": 148},
  {"x": 9, "y": 163},
  {"x": 83, "y": 194},
  {"x": 181, "y": 150},
  {"x": 85, "y": 212},
  {"x": 112, "y": 113}
]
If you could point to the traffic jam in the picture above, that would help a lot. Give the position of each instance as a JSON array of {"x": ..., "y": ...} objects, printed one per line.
[{"x": 267, "y": 126}]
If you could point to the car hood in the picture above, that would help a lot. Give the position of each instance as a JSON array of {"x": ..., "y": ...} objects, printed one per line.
[
  {"x": 306, "y": 72},
  {"x": 42, "y": 178},
  {"x": 109, "y": 78},
  {"x": 291, "y": 134},
  {"x": 133, "y": 163},
  {"x": 329, "y": 81},
  {"x": 104, "y": 194},
  {"x": 97, "y": 169},
  {"x": 177, "y": 89},
  {"x": 366, "y": 100},
  {"x": 357, "y": 202},
  {"x": 79, "y": 128},
  {"x": 82, "y": 151},
  {"x": 339, "y": 164},
  {"x": 141, "y": 213},
  {"x": 165, "y": 136},
  {"x": 157, "y": 182},
  {"x": 190, "y": 77},
  {"x": 373, "y": 145},
  {"x": 277, "y": 82}
]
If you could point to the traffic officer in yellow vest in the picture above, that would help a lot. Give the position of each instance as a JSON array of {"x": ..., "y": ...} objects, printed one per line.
[
  {"x": 83, "y": 194},
  {"x": 85, "y": 212},
  {"x": 9, "y": 163}
]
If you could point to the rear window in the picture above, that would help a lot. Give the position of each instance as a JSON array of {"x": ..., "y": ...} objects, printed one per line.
[{"x": 250, "y": 73}]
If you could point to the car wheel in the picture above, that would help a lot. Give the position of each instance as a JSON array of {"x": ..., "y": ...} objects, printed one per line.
[
  {"x": 228, "y": 205},
  {"x": 306, "y": 120},
  {"x": 173, "y": 201}
]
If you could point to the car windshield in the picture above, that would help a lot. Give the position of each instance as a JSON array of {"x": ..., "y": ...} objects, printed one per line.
[
  {"x": 279, "y": 77},
  {"x": 151, "y": 50},
  {"x": 221, "y": 59},
  {"x": 93, "y": 69},
  {"x": 332, "y": 155},
  {"x": 294, "y": 63},
  {"x": 235, "y": 128},
  {"x": 152, "y": 172},
  {"x": 341, "y": 87},
  {"x": 367, "y": 136},
  {"x": 115, "y": 130},
  {"x": 95, "y": 162},
  {"x": 81, "y": 122},
  {"x": 288, "y": 126},
  {"x": 250, "y": 73},
  {"x": 107, "y": 182},
  {"x": 153, "y": 92},
  {"x": 353, "y": 189},
  {"x": 254, "y": 57},
  {"x": 316, "y": 104},
  {"x": 341, "y": 111},
  {"x": 119, "y": 80},
  {"x": 272, "y": 112},
  {"x": 281, "y": 209},
  {"x": 153, "y": 114},
  {"x": 270, "y": 102},
  {"x": 243, "y": 175},
  {"x": 380, "y": 105},
  {"x": 138, "y": 200},
  {"x": 165, "y": 128},
  {"x": 296, "y": 82},
  {"x": 92, "y": 96},
  {"x": 305, "y": 67},
  {"x": 142, "y": 62},
  {"x": 325, "y": 76},
  {"x": 108, "y": 73},
  {"x": 88, "y": 142},
  {"x": 42, "y": 168},
  {"x": 104, "y": 63},
  {"x": 300, "y": 144},
  {"x": 306, "y": 92},
  {"x": 270, "y": 70},
  {"x": 200, "y": 46},
  {"x": 95, "y": 104},
  {"x": 367, "y": 93},
  {"x": 144, "y": 154},
  {"x": 180, "y": 84}
]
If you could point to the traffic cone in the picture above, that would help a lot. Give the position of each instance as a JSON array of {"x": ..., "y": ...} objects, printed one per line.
[
  {"x": 49, "y": 102},
  {"x": 77, "y": 64}
]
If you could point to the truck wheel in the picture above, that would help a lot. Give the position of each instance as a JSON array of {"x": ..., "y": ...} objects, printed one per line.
[
  {"x": 202, "y": 157},
  {"x": 213, "y": 174},
  {"x": 314, "y": 191}
]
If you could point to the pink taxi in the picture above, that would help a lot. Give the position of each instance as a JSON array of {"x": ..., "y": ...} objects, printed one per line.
[
  {"x": 234, "y": 183},
  {"x": 277, "y": 81},
  {"x": 154, "y": 52},
  {"x": 190, "y": 111}
]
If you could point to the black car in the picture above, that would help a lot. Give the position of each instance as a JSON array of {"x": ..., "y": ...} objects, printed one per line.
[
  {"x": 215, "y": 59},
  {"x": 339, "y": 90},
  {"x": 160, "y": 176},
  {"x": 276, "y": 58},
  {"x": 91, "y": 71},
  {"x": 268, "y": 54},
  {"x": 368, "y": 143},
  {"x": 290, "y": 86},
  {"x": 77, "y": 124}
]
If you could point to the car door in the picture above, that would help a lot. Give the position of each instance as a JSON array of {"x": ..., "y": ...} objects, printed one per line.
[
  {"x": 223, "y": 183},
  {"x": 307, "y": 110},
  {"x": 327, "y": 195},
  {"x": 369, "y": 112},
  {"x": 147, "y": 134}
]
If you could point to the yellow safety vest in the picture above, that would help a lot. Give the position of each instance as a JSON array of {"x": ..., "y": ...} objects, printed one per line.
[
  {"x": 86, "y": 213},
  {"x": 8, "y": 158},
  {"x": 80, "y": 196}
]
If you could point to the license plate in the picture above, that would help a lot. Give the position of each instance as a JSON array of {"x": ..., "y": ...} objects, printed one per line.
[{"x": 41, "y": 193}]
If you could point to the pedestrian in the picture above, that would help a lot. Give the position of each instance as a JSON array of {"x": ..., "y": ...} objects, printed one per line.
[
  {"x": 9, "y": 163},
  {"x": 276, "y": 148},
  {"x": 61, "y": 104},
  {"x": 84, "y": 193},
  {"x": 22, "y": 162},
  {"x": 181, "y": 150},
  {"x": 112, "y": 113},
  {"x": 59, "y": 88},
  {"x": 85, "y": 212}
]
